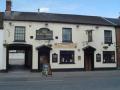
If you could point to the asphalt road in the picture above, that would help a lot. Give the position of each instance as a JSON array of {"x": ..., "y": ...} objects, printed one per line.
[{"x": 97, "y": 80}]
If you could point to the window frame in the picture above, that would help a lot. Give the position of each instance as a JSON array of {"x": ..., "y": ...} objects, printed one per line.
[
  {"x": 72, "y": 52},
  {"x": 70, "y": 41},
  {"x": 110, "y": 37},
  {"x": 90, "y": 38},
  {"x": 16, "y": 40},
  {"x": 109, "y": 53}
]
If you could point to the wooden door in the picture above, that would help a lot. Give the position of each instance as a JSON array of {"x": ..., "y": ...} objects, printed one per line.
[
  {"x": 42, "y": 60},
  {"x": 88, "y": 63}
]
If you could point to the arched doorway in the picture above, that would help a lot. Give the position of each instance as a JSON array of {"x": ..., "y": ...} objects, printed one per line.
[
  {"x": 27, "y": 49},
  {"x": 43, "y": 56},
  {"x": 89, "y": 58}
]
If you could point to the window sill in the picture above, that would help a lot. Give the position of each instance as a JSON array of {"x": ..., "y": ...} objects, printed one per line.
[
  {"x": 109, "y": 62},
  {"x": 44, "y": 39},
  {"x": 19, "y": 41},
  {"x": 90, "y": 41},
  {"x": 109, "y": 43},
  {"x": 67, "y": 63},
  {"x": 67, "y": 42}
]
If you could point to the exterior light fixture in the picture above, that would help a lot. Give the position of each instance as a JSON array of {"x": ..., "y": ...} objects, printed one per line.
[
  {"x": 46, "y": 24},
  {"x": 77, "y": 26},
  {"x": 10, "y": 23}
]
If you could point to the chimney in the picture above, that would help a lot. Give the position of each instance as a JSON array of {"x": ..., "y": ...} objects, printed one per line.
[
  {"x": 119, "y": 16},
  {"x": 8, "y": 7}
]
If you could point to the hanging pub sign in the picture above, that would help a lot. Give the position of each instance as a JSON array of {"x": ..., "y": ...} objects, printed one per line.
[
  {"x": 44, "y": 34},
  {"x": 54, "y": 58},
  {"x": 98, "y": 57}
]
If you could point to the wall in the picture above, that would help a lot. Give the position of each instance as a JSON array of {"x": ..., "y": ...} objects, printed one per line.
[
  {"x": 2, "y": 51},
  {"x": 79, "y": 37},
  {"x": 118, "y": 46}
]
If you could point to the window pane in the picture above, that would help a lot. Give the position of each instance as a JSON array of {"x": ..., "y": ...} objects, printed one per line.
[
  {"x": 90, "y": 36},
  {"x": 66, "y": 57},
  {"x": 108, "y": 36},
  {"x": 67, "y": 35},
  {"x": 109, "y": 57},
  {"x": 19, "y": 33}
]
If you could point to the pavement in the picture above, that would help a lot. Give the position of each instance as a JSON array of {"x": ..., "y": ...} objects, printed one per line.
[{"x": 92, "y": 80}]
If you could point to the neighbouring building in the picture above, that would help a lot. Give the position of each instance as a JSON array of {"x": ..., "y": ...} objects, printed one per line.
[
  {"x": 65, "y": 42},
  {"x": 1, "y": 42},
  {"x": 116, "y": 22}
]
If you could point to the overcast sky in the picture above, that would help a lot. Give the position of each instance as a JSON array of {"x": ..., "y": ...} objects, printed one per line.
[{"x": 105, "y": 8}]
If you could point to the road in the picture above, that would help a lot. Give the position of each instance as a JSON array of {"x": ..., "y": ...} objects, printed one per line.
[{"x": 96, "y": 80}]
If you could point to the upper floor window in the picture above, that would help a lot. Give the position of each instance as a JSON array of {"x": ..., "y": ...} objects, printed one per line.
[
  {"x": 44, "y": 34},
  {"x": 19, "y": 34},
  {"x": 66, "y": 57},
  {"x": 67, "y": 35},
  {"x": 90, "y": 39},
  {"x": 108, "y": 36},
  {"x": 108, "y": 57}
]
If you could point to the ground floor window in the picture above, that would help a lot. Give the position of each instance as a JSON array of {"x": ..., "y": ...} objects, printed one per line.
[
  {"x": 108, "y": 57},
  {"x": 66, "y": 57}
]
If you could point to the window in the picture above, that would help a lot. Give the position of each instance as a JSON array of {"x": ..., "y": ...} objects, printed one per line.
[
  {"x": 44, "y": 34},
  {"x": 67, "y": 35},
  {"x": 66, "y": 57},
  {"x": 108, "y": 36},
  {"x": 90, "y": 36},
  {"x": 19, "y": 34},
  {"x": 108, "y": 57}
]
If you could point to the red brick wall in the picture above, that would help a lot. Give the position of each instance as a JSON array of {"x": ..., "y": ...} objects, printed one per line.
[
  {"x": 118, "y": 45},
  {"x": 8, "y": 5}
]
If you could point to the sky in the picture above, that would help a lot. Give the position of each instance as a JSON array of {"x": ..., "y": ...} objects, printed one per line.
[{"x": 104, "y": 8}]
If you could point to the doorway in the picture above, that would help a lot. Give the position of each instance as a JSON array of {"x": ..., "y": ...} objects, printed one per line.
[
  {"x": 44, "y": 57},
  {"x": 89, "y": 58},
  {"x": 18, "y": 57},
  {"x": 16, "y": 60}
]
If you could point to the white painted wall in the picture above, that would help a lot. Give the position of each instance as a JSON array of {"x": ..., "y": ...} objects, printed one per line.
[
  {"x": 79, "y": 37},
  {"x": 2, "y": 51}
]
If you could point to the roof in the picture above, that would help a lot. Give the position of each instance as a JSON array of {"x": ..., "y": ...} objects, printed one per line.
[
  {"x": 57, "y": 18},
  {"x": 1, "y": 20},
  {"x": 115, "y": 21}
]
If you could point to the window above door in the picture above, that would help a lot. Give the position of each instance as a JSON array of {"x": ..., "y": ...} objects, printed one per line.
[
  {"x": 108, "y": 37},
  {"x": 67, "y": 35},
  {"x": 90, "y": 38}
]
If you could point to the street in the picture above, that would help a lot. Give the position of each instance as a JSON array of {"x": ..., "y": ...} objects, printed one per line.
[{"x": 93, "y": 80}]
